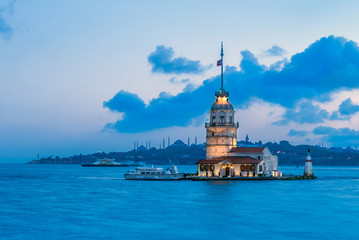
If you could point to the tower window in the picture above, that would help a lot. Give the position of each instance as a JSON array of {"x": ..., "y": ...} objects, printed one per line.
[
  {"x": 230, "y": 119},
  {"x": 213, "y": 119},
  {"x": 222, "y": 119}
]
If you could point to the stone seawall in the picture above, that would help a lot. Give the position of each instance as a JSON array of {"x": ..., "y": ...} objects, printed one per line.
[{"x": 285, "y": 177}]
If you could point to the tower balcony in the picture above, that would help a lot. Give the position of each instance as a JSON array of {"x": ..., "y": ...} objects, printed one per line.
[
  {"x": 224, "y": 135},
  {"x": 227, "y": 124}
]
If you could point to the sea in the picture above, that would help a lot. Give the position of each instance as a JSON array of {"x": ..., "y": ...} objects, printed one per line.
[{"x": 74, "y": 202}]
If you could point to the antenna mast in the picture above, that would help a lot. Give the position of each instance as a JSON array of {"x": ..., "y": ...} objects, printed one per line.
[{"x": 222, "y": 65}]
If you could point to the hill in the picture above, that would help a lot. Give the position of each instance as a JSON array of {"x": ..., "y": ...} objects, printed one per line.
[{"x": 182, "y": 154}]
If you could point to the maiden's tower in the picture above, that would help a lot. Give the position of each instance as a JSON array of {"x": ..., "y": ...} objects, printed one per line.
[{"x": 223, "y": 157}]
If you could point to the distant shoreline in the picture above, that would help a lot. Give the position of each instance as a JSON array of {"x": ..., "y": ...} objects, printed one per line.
[{"x": 182, "y": 154}]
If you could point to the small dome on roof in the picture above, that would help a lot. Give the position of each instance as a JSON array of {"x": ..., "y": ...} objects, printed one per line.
[
  {"x": 222, "y": 107},
  {"x": 222, "y": 103}
]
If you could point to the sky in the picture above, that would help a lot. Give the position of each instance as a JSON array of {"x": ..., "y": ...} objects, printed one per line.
[{"x": 86, "y": 76}]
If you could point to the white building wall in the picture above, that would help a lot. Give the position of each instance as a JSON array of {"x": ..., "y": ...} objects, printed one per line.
[
  {"x": 275, "y": 162},
  {"x": 252, "y": 155},
  {"x": 237, "y": 169},
  {"x": 308, "y": 169},
  {"x": 217, "y": 169},
  {"x": 270, "y": 161}
]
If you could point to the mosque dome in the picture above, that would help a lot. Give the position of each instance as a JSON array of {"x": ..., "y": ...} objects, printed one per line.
[{"x": 179, "y": 143}]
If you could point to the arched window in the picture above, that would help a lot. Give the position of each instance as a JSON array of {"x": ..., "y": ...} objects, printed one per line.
[
  {"x": 213, "y": 119},
  {"x": 221, "y": 119}
]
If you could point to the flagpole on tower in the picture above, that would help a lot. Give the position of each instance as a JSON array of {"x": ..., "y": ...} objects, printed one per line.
[{"x": 222, "y": 65}]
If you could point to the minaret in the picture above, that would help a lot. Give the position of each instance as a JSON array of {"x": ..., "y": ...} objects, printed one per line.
[
  {"x": 308, "y": 169},
  {"x": 221, "y": 129}
]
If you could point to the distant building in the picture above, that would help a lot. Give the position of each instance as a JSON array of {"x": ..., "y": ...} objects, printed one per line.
[
  {"x": 179, "y": 143},
  {"x": 223, "y": 157},
  {"x": 142, "y": 148}
]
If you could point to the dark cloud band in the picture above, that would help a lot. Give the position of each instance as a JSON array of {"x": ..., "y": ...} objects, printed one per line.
[{"x": 340, "y": 136}]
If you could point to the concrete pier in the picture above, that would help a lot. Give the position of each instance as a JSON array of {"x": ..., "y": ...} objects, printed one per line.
[{"x": 261, "y": 178}]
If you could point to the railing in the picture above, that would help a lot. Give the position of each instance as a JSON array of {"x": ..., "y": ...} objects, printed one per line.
[
  {"x": 217, "y": 124},
  {"x": 226, "y": 135},
  {"x": 222, "y": 93}
]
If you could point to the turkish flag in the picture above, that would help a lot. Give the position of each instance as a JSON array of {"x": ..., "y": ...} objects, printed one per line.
[{"x": 219, "y": 62}]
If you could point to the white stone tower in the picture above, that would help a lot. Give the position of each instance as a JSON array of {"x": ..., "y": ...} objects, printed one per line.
[
  {"x": 221, "y": 129},
  {"x": 308, "y": 169}
]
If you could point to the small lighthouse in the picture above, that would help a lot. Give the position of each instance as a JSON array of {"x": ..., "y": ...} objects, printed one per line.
[{"x": 308, "y": 169}]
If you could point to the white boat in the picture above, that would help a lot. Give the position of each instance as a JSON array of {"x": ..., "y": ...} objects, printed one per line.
[{"x": 151, "y": 173}]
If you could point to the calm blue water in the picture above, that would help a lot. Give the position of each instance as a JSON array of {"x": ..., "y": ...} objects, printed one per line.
[{"x": 73, "y": 202}]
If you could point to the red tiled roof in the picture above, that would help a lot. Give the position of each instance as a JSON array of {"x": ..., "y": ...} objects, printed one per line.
[
  {"x": 231, "y": 159},
  {"x": 247, "y": 149}
]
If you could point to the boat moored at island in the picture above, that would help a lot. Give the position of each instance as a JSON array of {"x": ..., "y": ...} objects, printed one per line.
[
  {"x": 151, "y": 173},
  {"x": 109, "y": 163}
]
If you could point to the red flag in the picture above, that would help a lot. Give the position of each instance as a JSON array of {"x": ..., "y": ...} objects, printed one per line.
[{"x": 219, "y": 62}]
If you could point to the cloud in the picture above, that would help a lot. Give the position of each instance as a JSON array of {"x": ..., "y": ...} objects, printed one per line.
[
  {"x": 345, "y": 111},
  {"x": 328, "y": 65},
  {"x": 348, "y": 108},
  {"x": 189, "y": 87},
  {"x": 295, "y": 133},
  {"x": 5, "y": 28},
  {"x": 174, "y": 80},
  {"x": 275, "y": 51},
  {"x": 164, "y": 111},
  {"x": 340, "y": 136},
  {"x": 324, "y": 130},
  {"x": 125, "y": 102},
  {"x": 163, "y": 61},
  {"x": 336, "y": 116},
  {"x": 304, "y": 112},
  {"x": 277, "y": 66}
]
